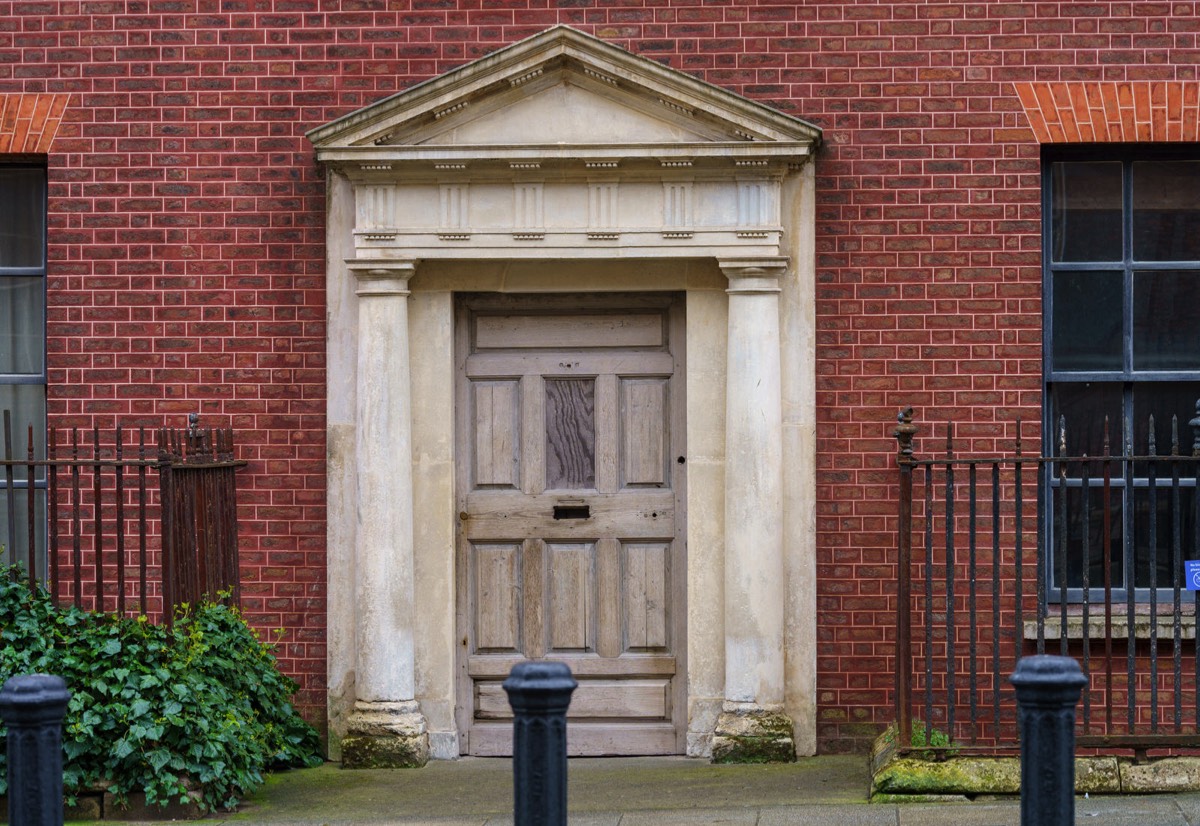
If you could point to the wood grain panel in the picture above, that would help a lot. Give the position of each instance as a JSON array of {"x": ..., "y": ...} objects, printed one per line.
[
  {"x": 538, "y": 331},
  {"x": 497, "y": 433},
  {"x": 566, "y": 365},
  {"x": 498, "y": 515},
  {"x": 571, "y": 596},
  {"x": 593, "y": 699},
  {"x": 497, "y": 667},
  {"x": 584, "y": 738},
  {"x": 533, "y": 631},
  {"x": 497, "y": 597},
  {"x": 570, "y": 434},
  {"x": 608, "y": 597},
  {"x": 645, "y": 596},
  {"x": 644, "y": 431}
]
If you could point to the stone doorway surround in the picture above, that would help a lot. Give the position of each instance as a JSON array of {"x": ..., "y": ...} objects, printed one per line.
[{"x": 564, "y": 164}]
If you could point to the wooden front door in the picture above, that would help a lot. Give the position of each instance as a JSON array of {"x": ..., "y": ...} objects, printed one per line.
[{"x": 571, "y": 514}]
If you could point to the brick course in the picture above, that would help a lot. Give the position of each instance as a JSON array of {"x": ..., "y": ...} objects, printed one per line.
[{"x": 187, "y": 232}]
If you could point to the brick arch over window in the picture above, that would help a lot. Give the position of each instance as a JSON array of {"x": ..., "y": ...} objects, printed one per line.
[
  {"x": 1107, "y": 112},
  {"x": 29, "y": 123}
]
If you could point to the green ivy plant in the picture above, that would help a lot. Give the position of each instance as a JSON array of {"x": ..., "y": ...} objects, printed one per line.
[{"x": 200, "y": 706}]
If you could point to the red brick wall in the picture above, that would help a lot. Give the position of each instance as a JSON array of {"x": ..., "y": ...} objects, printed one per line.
[{"x": 187, "y": 218}]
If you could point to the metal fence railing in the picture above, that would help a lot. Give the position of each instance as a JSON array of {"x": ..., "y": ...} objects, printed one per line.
[
  {"x": 1084, "y": 556},
  {"x": 111, "y": 522}
]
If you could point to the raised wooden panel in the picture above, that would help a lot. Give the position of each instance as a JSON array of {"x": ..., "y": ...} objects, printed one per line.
[
  {"x": 586, "y": 738},
  {"x": 572, "y": 596},
  {"x": 645, "y": 591},
  {"x": 646, "y": 700},
  {"x": 508, "y": 332},
  {"x": 497, "y": 569},
  {"x": 644, "y": 432},
  {"x": 570, "y": 434},
  {"x": 497, "y": 419}
]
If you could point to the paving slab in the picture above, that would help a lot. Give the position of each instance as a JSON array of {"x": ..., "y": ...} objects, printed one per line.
[
  {"x": 649, "y": 791},
  {"x": 827, "y": 814}
]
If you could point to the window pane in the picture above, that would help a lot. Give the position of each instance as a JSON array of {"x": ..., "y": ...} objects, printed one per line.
[
  {"x": 27, "y": 403},
  {"x": 1087, "y": 321},
  {"x": 1164, "y": 552},
  {"x": 1162, "y": 400},
  {"x": 1093, "y": 515},
  {"x": 1086, "y": 405},
  {"x": 22, "y": 217},
  {"x": 1166, "y": 321},
  {"x": 1166, "y": 222},
  {"x": 1086, "y": 211},
  {"x": 14, "y": 531},
  {"x": 570, "y": 434},
  {"x": 22, "y": 318}
]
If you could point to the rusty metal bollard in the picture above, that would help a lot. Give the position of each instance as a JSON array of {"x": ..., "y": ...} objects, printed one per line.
[
  {"x": 539, "y": 693},
  {"x": 33, "y": 708},
  {"x": 1048, "y": 690}
]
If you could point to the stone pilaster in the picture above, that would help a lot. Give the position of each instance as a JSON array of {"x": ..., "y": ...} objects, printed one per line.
[
  {"x": 752, "y": 726},
  {"x": 386, "y": 728}
]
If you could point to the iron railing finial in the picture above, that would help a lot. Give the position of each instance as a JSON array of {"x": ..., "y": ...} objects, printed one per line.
[{"x": 904, "y": 433}]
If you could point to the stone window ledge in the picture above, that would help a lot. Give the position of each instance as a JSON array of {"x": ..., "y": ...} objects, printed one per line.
[{"x": 1120, "y": 627}]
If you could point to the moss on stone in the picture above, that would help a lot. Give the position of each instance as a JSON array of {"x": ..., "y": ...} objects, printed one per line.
[
  {"x": 741, "y": 749},
  {"x": 961, "y": 775},
  {"x": 384, "y": 752}
]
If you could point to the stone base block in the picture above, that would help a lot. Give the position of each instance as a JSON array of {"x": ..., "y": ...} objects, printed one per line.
[
  {"x": 385, "y": 736},
  {"x": 748, "y": 734}
]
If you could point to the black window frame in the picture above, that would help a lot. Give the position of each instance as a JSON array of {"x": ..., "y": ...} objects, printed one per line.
[
  {"x": 1122, "y": 432},
  {"x": 38, "y": 379}
]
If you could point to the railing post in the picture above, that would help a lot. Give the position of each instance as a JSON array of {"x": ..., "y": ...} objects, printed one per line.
[
  {"x": 1048, "y": 690},
  {"x": 539, "y": 693},
  {"x": 33, "y": 707},
  {"x": 905, "y": 430}
]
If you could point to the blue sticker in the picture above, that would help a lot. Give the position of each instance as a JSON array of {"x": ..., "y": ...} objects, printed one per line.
[{"x": 1191, "y": 572}]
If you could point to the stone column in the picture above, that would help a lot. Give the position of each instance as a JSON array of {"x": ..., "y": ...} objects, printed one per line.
[
  {"x": 752, "y": 726},
  {"x": 386, "y": 727}
]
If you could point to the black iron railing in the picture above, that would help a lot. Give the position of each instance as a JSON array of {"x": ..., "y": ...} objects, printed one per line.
[
  {"x": 111, "y": 522},
  {"x": 1019, "y": 553}
]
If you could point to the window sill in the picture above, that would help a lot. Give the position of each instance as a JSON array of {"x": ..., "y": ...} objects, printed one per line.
[{"x": 1120, "y": 628}]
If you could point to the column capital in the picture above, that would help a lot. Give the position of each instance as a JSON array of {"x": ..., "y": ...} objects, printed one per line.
[
  {"x": 753, "y": 275},
  {"x": 382, "y": 276}
]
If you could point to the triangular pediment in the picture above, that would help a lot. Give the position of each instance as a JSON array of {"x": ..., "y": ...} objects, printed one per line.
[{"x": 562, "y": 91}]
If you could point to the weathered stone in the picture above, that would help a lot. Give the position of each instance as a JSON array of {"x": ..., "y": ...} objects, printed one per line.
[
  {"x": 959, "y": 775},
  {"x": 1097, "y": 775},
  {"x": 1171, "y": 774},
  {"x": 386, "y": 735},
  {"x": 386, "y": 752},
  {"x": 753, "y": 736}
]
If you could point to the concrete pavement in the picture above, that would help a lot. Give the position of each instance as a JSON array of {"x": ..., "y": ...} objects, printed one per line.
[{"x": 652, "y": 791}]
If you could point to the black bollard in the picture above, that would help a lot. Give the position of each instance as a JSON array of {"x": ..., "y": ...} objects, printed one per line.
[
  {"x": 539, "y": 693},
  {"x": 1048, "y": 690},
  {"x": 33, "y": 708}
]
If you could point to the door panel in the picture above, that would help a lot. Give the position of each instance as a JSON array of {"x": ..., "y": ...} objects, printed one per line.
[
  {"x": 497, "y": 409},
  {"x": 571, "y": 513},
  {"x": 497, "y": 597}
]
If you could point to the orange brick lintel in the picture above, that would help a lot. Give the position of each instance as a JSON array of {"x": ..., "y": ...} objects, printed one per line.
[
  {"x": 29, "y": 122},
  {"x": 1158, "y": 111}
]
